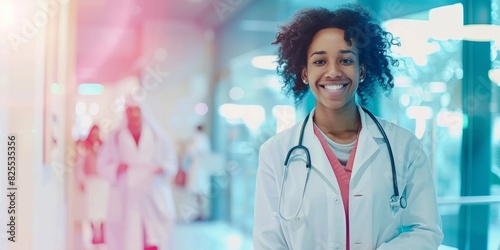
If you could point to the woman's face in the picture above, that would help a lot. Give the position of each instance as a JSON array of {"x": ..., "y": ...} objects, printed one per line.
[{"x": 333, "y": 70}]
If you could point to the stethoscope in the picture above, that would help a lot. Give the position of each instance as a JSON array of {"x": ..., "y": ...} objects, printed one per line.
[{"x": 396, "y": 201}]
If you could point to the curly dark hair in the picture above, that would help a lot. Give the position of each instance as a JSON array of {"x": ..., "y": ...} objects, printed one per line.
[{"x": 359, "y": 25}]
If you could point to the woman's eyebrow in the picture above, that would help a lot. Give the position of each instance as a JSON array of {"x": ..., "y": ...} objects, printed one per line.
[
  {"x": 321, "y": 52},
  {"x": 347, "y": 51},
  {"x": 342, "y": 51}
]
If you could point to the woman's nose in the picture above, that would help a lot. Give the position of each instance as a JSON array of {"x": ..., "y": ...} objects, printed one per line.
[{"x": 333, "y": 71}]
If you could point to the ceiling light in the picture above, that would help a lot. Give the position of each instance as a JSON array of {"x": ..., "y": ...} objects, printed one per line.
[
  {"x": 265, "y": 62},
  {"x": 481, "y": 32},
  {"x": 7, "y": 14},
  {"x": 494, "y": 75},
  {"x": 90, "y": 89},
  {"x": 438, "y": 87}
]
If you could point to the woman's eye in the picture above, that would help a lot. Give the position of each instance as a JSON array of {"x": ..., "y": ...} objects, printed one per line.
[
  {"x": 346, "y": 61},
  {"x": 319, "y": 62}
]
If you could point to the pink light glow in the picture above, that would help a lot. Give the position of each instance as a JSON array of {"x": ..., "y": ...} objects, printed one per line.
[
  {"x": 201, "y": 109},
  {"x": 110, "y": 38}
]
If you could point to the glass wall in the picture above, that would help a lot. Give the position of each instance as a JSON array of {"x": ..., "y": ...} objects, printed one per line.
[
  {"x": 427, "y": 100},
  {"x": 494, "y": 230},
  {"x": 495, "y": 77}
]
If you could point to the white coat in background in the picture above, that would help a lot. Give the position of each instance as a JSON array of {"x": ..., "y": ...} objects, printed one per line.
[
  {"x": 140, "y": 200},
  {"x": 198, "y": 174},
  {"x": 373, "y": 225}
]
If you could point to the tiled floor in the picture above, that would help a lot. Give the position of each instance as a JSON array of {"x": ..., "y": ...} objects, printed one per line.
[{"x": 193, "y": 236}]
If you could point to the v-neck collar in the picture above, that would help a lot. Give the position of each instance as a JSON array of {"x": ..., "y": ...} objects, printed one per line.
[{"x": 342, "y": 173}]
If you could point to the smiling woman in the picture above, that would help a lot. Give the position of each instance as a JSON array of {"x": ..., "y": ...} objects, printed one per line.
[{"x": 341, "y": 174}]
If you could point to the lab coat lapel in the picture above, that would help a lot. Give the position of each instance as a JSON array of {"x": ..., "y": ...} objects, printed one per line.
[
  {"x": 126, "y": 145},
  {"x": 319, "y": 160},
  {"x": 368, "y": 147}
]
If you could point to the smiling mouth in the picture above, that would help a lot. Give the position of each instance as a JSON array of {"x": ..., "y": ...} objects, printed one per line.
[{"x": 333, "y": 87}]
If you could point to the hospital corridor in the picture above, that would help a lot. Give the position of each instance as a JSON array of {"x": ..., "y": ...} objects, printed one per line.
[{"x": 212, "y": 124}]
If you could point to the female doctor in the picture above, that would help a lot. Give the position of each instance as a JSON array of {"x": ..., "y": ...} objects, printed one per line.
[{"x": 328, "y": 182}]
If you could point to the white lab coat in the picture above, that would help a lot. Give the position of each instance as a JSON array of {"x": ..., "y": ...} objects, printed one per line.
[
  {"x": 96, "y": 189},
  {"x": 140, "y": 201},
  {"x": 198, "y": 176},
  {"x": 373, "y": 225}
]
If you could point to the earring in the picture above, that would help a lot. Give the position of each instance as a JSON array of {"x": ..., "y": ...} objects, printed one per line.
[
  {"x": 361, "y": 80},
  {"x": 305, "y": 82}
]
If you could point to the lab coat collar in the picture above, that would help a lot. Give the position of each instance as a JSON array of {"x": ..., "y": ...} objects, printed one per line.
[
  {"x": 367, "y": 148},
  {"x": 369, "y": 124},
  {"x": 367, "y": 145}
]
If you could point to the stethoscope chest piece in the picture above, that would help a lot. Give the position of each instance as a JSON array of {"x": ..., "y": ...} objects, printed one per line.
[{"x": 398, "y": 202}]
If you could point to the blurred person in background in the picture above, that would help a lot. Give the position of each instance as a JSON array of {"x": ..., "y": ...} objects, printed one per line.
[
  {"x": 139, "y": 161},
  {"x": 196, "y": 161},
  {"x": 332, "y": 181},
  {"x": 95, "y": 189}
]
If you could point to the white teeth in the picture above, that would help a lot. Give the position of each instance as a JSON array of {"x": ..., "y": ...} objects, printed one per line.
[{"x": 333, "y": 87}]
